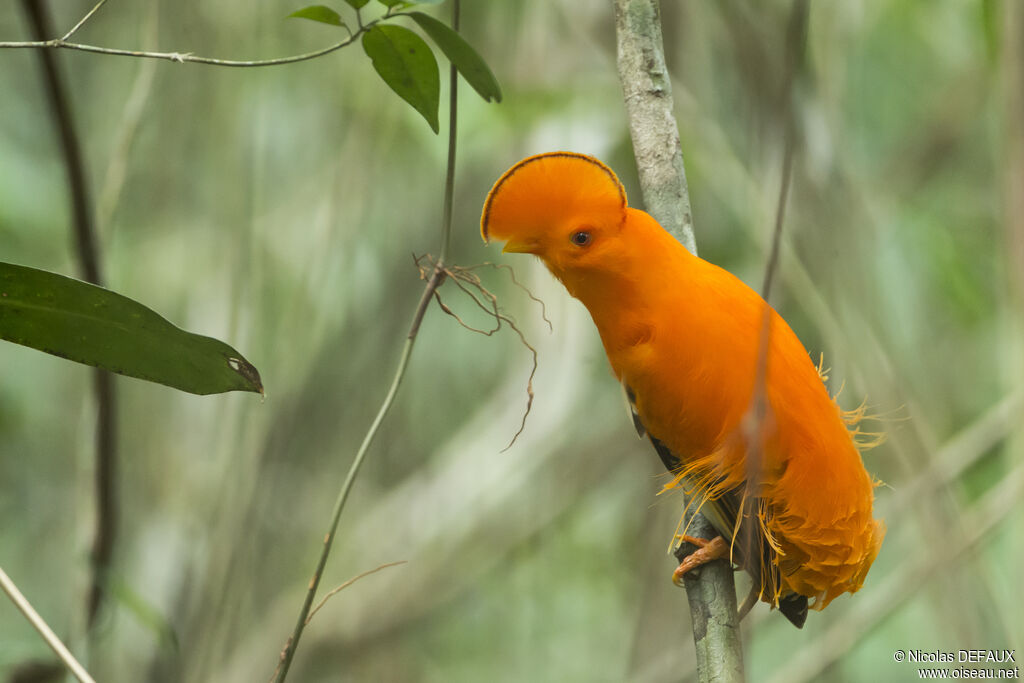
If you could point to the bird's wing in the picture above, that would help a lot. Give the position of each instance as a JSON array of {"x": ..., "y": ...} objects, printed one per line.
[
  {"x": 721, "y": 512},
  {"x": 746, "y": 540},
  {"x": 641, "y": 431}
]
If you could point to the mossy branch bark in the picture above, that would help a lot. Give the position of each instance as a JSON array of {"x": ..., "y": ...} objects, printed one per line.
[{"x": 647, "y": 93}]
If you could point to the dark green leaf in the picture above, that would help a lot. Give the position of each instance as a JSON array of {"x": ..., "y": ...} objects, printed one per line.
[
  {"x": 391, "y": 3},
  {"x": 357, "y": 4},
  {"x": 92, "y": 325},
  {"x": 407, "y": 65},
  {"x": 321, "y": 13},
  {"x": 460, "y": 53}
]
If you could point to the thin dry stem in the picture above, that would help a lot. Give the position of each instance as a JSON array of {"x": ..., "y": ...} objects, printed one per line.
[
  {"x": 469, "y": 283},
  {"x": 183, "y": 57},
  {"x": 444, "y": 307},
  {"x": 517, "y": 283},
  {"x": 44, "y": 630},
  {"x": 753, "y": 423},
  {"x": 332, "y": 593},
  {"x": 345, "y": 585},
  {"x": 435, "y": 280},
  {"x": 84, "y": 19}
]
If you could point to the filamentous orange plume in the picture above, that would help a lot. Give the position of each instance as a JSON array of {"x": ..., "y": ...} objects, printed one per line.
[{"x": 682, "y": 336}]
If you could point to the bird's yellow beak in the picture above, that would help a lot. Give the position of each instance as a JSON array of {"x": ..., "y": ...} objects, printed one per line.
[{"x": 520, "y": 246}]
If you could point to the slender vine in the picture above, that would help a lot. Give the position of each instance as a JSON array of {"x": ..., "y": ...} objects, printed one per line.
[{"x": 435, "y": 280}]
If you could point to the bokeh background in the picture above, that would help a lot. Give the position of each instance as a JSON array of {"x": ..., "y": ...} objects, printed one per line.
[{"x": 279, "y": 208}]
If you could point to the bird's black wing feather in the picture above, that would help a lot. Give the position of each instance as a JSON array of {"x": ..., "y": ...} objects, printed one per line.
[{"x": 722, "y": 512}]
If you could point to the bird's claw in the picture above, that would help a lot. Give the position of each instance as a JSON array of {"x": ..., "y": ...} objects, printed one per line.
[{"x": 707, "y": 550}]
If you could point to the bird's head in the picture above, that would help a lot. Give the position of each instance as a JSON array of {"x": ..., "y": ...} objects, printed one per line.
[{"x": 569, "y": 209}]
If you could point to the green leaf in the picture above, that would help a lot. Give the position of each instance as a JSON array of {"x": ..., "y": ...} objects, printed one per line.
[
  {"x": 460, "y": 53},
  {"x": 146, "y": 613},
  {"x": 407, "y": 65},
  {"x": 321, "y": 13},
  {"x": 391, "y": 3},
  {"x": 91, "y": 325},
  {"x": 357, "y": 4}
]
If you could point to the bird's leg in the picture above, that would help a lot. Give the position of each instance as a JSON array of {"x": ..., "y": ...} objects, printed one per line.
[{"x": 707, "y": 550}]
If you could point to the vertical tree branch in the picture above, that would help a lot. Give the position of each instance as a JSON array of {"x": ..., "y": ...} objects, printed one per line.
[
  {"x": 648, "y": 97},
  {"x": 88, "y": 257},
  {"x": 647, "y": 93}
]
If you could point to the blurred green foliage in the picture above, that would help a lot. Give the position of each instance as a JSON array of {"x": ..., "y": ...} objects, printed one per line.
[{"x": 278, "y": 208}]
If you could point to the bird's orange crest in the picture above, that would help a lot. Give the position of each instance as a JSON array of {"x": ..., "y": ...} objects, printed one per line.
[{"x": 547, "y": 189}]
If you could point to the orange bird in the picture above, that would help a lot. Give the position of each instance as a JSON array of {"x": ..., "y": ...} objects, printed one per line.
[{"x": 683, "y": 336}]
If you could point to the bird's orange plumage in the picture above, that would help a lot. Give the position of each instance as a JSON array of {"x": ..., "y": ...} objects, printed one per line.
[{"x": 683, "y": 336}]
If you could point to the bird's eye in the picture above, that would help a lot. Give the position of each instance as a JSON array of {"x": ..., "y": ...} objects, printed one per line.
[{"x": 580, "y": 238}]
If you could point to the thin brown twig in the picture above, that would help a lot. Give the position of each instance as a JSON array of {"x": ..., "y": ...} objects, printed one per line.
[
  {"x": 467, "y": 281},
  {"x": 435, "y": 280},
  {"x": 529, "y": 383},
  {"x": 754, "y": 421},
  {"x": 127, "y": 128},
  {"x": 448, "y": 311},
  {"x": 187, "y": 57},
  {"x": 345, "y": 585},
  {"x": 493, "y": 309},
  {"x": 330, "y": 594},
  {"x": 82, "y": 21},
  {"x": 517, "y": 283},
  {"x": 180, "y": 57},
  {"x": 89, "y": 262}
]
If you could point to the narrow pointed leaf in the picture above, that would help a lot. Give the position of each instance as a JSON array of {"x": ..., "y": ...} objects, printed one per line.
[
  {"x": 321, "y": 13},
  {"x": 92, "y": 325},
  {"x": 407, "y": 65},
  {"x": 460, "y": 53}
]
